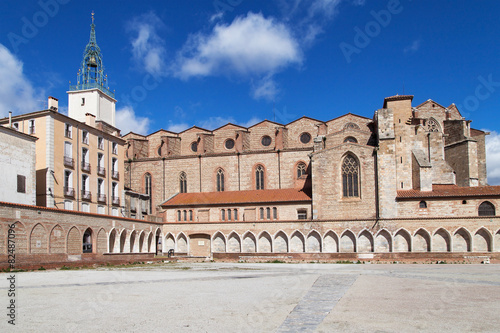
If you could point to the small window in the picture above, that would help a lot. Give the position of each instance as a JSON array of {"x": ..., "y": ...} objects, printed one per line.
[
  {"x": 236, "y": 215},
  {"x": 100, "y": 143},
  {"x": 15, "y": 126},
  {"x": 68, "y": 131},
  {"x": 178, "y": 215},
  {"x": 464, "y": 202},
  {"x": 302, "y": 214},
  {"x": 351, "y": 139},
  {"x": 21, "y": 184},
  {"x": 275, "y": 213},
  {"x": 261, "y": 210},
  {"x": 83, "y": 101},
  {"x": 194, "y": 146},
  {"x": 305, "y": 138},
  {"x": 268, "y": 213},
  {"x": 259, "y": 177},
  {"x": 301, "y": 170},
  {"x": 266, "y": 140},
  {"x": 220, "y": 180},
  {"x": 486, "y": 209},
  {"x": 85, "y": 137},
  {"x": 223, "y": 215},
  {"x": 185, "y": 215},
  {"x": 182, "y": 182},
  {"x": 115, "y": 148},
  {"x": 31, "y": 126},
  {"x": 229, "y": 144},
  {"x": 190, "y": 215},
  {"x": 229, "y": 214},
  {"x": 423, "y": 204}
]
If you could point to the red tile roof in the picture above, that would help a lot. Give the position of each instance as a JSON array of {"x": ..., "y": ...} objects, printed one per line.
[
  {"x": 237, "y": 197},
  {"x": 446, "y": 191}
]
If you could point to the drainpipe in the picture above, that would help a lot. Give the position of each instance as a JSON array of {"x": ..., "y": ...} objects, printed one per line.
[
  {"x": 377, "y": 195},
  {"x": 163, "y": 178},
  {"x": 239, "y": 180},
  {"x": 279, "y": 168}
]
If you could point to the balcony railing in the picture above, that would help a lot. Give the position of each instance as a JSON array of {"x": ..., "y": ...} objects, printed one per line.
[
  {"x": 101, "y": 171},
  {"x": 69, "y": 192},
  {"x": 67, "y": 134},
  {"x": 86, "y": 167},
  {"x": 115, "y": 200},
  {"x": 115, "y": 175},
  {"x": 101, "y": 198},
  {"x": 86, "y": 195},
  {"x": 69, "y": 162}
]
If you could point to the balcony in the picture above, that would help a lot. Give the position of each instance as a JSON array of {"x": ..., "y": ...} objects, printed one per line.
[
  {"x": 67, "y": 133},
  {"x": 101, "y": 171},
  {"x": 86, "y": 167},
  {"x": 101, "y": 198},
  {"x": 69, "y": 192},
  {"x": 86, "y": 195},
  {"x": 69, "y": 162},
  {"x": 115, "y": 175},
  {"x": 116, "y": 200}
]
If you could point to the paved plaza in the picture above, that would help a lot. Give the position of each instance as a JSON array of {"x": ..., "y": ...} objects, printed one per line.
[{"x": 267, "y": 297}]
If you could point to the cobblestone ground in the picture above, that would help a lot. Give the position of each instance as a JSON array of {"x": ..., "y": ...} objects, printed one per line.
[{"x": 225, "y": 297}]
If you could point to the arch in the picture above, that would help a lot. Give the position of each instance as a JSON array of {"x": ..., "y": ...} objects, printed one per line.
[
  {"x": 402, "y": 241},
  {"x": 280, "y": 242},
  {"x": 158, "y": 241},
  {"x": 383, "y": 241},
  {"x": 74, "y": 241},
  {"x": 433, "y": 125},
  {"x": 313, "y": 242},
  {"x": 150, "y": 242},
  {"x": 331, "y": 242},
  {"x": 38, "y": 239},
  {"x": 182, "y": 182},
  {"x": 219, "y": 180},
  {"x": 87, "y": 241},
  {"x": 218, "y": 242},
  {"x": 260, "y": 176},
  {"x": 365, "y": 241},
  {"x": 56, "y": 240},
  {"x": 351, "y": 125},
  {"x": 233, "y": 242},
  {"x": 123, "y": 239},
  {"x": 461, "y": 240},
  {"x": 265, "y": 243},
  {"x": 140, "y": 247},
  {"x": 486, "y": 208},
  {"x": 169, "y": 242},
  {"x": 301, "y": 169},
  {"x": 350, "y": 176},
  {"x": 347, "y": 242},
  {"x": 350, "y": 139},
  {"x": 112, "y": 241},
  {"x": 133, "y": 242},
  {"x": 249, "y": 243},
  {"x": 182, "y": 243},
  {"x": 21, "y": 238},
  {"x": 421, "y": 241},
  {"x": 482, "y": 240},
  {"x": 441, "y": 241},
  {"x": 101, "y": 241},
  {"x": 297, "y": 242},
  {"x": 497, "y": 241}
]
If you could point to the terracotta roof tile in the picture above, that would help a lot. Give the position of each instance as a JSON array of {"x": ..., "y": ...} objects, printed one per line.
[
  {"x": 446, "y": 191},
  {"x": 237, "y": 197}
]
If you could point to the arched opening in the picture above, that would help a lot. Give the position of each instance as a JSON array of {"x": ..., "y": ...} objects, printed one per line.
[
  {"x": 461, "y": 241},
  {"x": 87, "y": 241},
  {"x": 169, "y": 243},
  {"x": 259, "y": 177},
  {"x": 56, "y": 240},
  {"x": 281, "y": 242},
  {"x": 365, "y": 242},
  {"x": 140, "y": 248},
  {"x": 482, "y": 240},
  {"x": 74, "y": 241},
  {"x": 38, "y": 239},
  {"x": 132, "y": 243},
  {"x": 486, "y": 209},
  {"x": 218, "y": 243},
  {"x": 421, "y": 241},
  {"x": 112, "y": 240},
  {"x": 441, "y": 241},
  {"x": 249, "y": 243},
  {"x": 297, "y": 243},
  {"x": 183, "y": 182},
  {"x": 348, "y": 242},
  {"x": 123, "y": 238},
  {"x": 313, "y": 242},
  {"x": 101, "y": 242},
  {"x": 331, "y": 242},
  {"x": 383, "y": 242},
  {"x": 159, "y": 248},
  {"x": 150, "y": 242},
  {"x": 220, "y": 180},
  {"x": 265, "y": 242},
  {"x": 182, "y": 244},
  {"x": 234, "y": 243},
  {"x": 350, "y": 177},
  {"x": 402, "y": 241}
]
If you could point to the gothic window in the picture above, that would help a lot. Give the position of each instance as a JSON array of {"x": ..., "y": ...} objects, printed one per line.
[
  {"x": 351, "y": 139},
  {"x": 261, "y": 211},
  {"x": 275, "y": 213},
  {"x": 301, "y": 169},
  {"x": 236, "y": 215},
  {"x": 229, "y": 214},
  {"x": 194, "y": 146},
  {"x": 351, "y": 126},
  {"x": 268, "y": 213},
  {"x": 259, "y": 177},
  {"x": 350, "y": 177},
  {"x": 223, "y": 215},
  {"x": 220, "y": 180},
  {"x": 305, "y": 138},
  {"x": 183, "y": 182},
  {"x": 432, "y": 125},
  {"x": 486, "y": 209}
]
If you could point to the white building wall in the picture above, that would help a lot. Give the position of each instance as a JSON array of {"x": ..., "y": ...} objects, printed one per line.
[
  {"x": 96, "y": 103},
  {"x": 17, "y": 157}
]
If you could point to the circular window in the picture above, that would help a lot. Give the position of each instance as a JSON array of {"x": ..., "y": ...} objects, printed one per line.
[
  {"x": 229, "y": 144},
  {"x": 305, "y": 137},
  {"x": 266, "y": 140},
  {"x": 194, "y": 146}
]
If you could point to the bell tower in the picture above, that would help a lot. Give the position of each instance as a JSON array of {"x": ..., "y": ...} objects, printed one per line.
[{"x": 91, "y": 94}]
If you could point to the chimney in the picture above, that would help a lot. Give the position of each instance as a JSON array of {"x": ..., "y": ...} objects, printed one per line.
[
  {"x": 90, "y": 119},
  {"x": 53, "y": 103},
  {"x": 10, "y": 119}
]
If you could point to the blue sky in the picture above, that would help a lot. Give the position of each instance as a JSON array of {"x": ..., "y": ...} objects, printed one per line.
[{"x": 175, "y": 64}]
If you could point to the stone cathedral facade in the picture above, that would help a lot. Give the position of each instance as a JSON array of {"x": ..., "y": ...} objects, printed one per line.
[{"x": 410, "y": 180}]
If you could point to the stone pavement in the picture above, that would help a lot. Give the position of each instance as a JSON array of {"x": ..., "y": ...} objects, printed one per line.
[{"x": 230, "y": 297}]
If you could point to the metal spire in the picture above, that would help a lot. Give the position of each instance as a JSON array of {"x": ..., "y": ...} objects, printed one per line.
[{"x": 91, "y": 72}]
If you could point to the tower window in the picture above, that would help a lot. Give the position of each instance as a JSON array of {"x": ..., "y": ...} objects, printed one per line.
[
  {"x": 350, "y": 177},
  {"x": 220, "y": 180},
  {"x": 183, "y": 182},
  {"x": 259, "y": 177}
]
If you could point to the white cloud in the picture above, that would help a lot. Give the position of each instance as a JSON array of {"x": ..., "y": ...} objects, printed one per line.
[
  {"x": 413, "y": 47},
  {"x": 265, "y": 89},
  {"x": 215, "y": 122},
  {"x": 177, "y": 128},
  {"x": 251, "y": 122},
  {"x": 17, "y": 93},
  {"x": 493, "y": 157},
  {"x": 127, "y": 121},
  {"x": 148, "y": 48},
  {"x": 250, "y": 46}
]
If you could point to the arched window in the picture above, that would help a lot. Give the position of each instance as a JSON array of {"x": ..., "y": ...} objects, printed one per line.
[
  {"x": 220, "y": 180},
  {"x": 183, "y": 182},
  {"x": 87, "y": 241},
  {"x": 261, "y": 211},
  {"x": 259, "y": 177},
  {"x": 223, "y": 214},
  {"x": 351, "y": 126},
  {"x": 351, "y": 139},
  {"x": 301, "y": 169},
  {"x": 423, "y": 204},
  {"x": 350, "y": 177},
  {"x": 486, "y": 209},
  {"x": 147, "y": 190}
]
